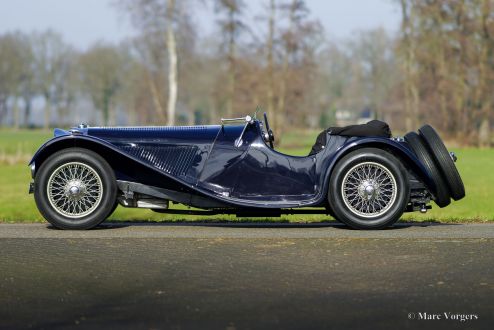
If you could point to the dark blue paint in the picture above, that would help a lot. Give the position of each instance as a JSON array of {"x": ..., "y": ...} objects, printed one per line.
[{"x": 211, "y": 161}]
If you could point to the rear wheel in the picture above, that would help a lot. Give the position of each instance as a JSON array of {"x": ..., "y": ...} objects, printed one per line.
[
  {"x": 368, "y": 189},
  {"x": 113, "y": 209},
  {"x": 75, "y": 189},
  {"x": 418, "y": 146},
  {"x": 444, "y": 161}
]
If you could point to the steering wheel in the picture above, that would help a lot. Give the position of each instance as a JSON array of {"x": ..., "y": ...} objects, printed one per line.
[{"x": 269, "y": 137}]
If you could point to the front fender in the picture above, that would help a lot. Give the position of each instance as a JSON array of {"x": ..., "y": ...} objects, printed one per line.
[
  {"x": 64, "y": 140},
  {"x": 399, "y": 149},
  {"x": 125, "y": 166}
]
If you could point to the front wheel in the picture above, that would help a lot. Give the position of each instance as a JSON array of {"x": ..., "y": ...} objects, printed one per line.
[
  {"x": 75, "y": 189},
  {"x": 368, "y": 189}
]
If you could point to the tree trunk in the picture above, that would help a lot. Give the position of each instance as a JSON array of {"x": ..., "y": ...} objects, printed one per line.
[
  {"x": 460, "y": 86},
  {"x": 156, "y": 98},
  {"x": 442, "y": 90},
  {"x": 172, "y": 64},
  {"x": 112, "y": 113},
  {"x": 105, "y": 114},
  {"x": 281, "y": 111},
  {"x": 270, "y": 91},
  {"x": 484, "y": 88},
  {"x": 131, "y": 115},
  {"x": 3, "y": 108},
  {"x": 438, "y": 52},
  {"x": 62, "y": 111},
  {"x": 484, "y": 137},
  {"x": 46, "y": 125},
  {"x": 410, "y": 88},
  {"x": 106, "y": 107},
  {"x": 15, "y": 109},
  {"x": 27, "y": 112},
  {"x": 231, "y": 65}
]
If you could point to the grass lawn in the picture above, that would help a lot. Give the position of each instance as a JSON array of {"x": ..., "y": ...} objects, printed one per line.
[
  {"x": 22, "y": 141},
  {"x": 17, "y": 206}
]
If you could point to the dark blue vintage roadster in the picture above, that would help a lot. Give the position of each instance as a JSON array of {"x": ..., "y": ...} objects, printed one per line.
[{"x": 363, "y": 179}]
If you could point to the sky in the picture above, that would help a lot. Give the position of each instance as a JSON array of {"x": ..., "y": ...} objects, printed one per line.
[{"x": 84, "y": 22}]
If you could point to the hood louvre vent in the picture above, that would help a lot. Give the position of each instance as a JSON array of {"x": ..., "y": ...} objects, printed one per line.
[{"x": 174, "y": 160}]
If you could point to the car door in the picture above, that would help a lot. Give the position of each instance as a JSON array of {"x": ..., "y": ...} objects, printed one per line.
[{"x": 267, "y": 175}]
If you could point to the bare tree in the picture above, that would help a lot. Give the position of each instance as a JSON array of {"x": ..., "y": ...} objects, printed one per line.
[
  {"x": 300, "y": 40},
  {"x": 231, "y": 26},
  {"x": 26, "y": 87},
  {"x": 49, "y": 52},
  {"x": 28, "y": 83},
  {"x": 288, "y": 48},
  {"x": 408, "y": 58},
  {"x": 160, "y": 18},
  {"x": 448, "y": 46},
  {"x": 101, "y": 78},
  {"x": 270, "y": 59},
  {"x": 172, "y": 62},
  {"x": 486, "y": 70},
  {"x": 65, "y": 84},
  {"x": 373, "y": 50},
  {"x": 13, "y": 71}
]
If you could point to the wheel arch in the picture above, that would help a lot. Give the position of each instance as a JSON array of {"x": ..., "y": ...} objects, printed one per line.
[
  {"x": 402, "y": 153},
  {"x": 69, "y": 141}
]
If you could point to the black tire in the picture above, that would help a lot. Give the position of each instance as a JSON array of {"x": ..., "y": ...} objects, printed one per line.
[
  {"x": 444, "y": 161},
  {"x": 113, "y": 209},
  {"x": 98, "y": 189},
  {"x": 341, "y": 185},
  {"x": 329, "y": 211},
  {"x": 440, "y": 192}
]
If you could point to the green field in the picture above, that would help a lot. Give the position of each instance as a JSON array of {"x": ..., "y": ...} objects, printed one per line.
[
  {"x": 19, "y": 146},
  {"x": 17, "y": 206}
]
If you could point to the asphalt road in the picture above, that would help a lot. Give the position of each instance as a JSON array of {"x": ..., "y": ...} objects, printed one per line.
[{"x": 245, "y": 276}]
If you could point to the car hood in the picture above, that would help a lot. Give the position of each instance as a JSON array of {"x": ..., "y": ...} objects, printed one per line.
[{"x": 165, "y": 134}]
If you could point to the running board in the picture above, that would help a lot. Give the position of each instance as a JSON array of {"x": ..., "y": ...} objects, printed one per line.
[
  {"x": 130, "y": 188},
  {"x": 244, "y": 212}
]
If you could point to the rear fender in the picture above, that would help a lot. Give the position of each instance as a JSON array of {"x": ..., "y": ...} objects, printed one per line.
[{"x": 398, "y": 149}]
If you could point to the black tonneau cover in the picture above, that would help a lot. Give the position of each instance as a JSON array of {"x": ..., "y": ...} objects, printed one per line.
[{"x": 372, "y": 128}]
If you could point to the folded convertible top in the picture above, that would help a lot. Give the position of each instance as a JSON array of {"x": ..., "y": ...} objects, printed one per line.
[{"x": 372, "y": 128}]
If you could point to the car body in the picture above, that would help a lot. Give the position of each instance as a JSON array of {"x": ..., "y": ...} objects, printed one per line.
[{"x": 228, "y": 168}]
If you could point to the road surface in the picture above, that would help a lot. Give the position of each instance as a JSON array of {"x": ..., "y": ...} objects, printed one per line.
[{"x": 247, "y": 276}]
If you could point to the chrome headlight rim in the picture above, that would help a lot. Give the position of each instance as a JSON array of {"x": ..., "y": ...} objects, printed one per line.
[{"x": 33, "y": 170}]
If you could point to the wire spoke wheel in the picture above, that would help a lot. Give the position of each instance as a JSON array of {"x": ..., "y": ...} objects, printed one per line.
[
  {"x": 74, "y": 190},
  {"x": 369, "y": 189}
]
